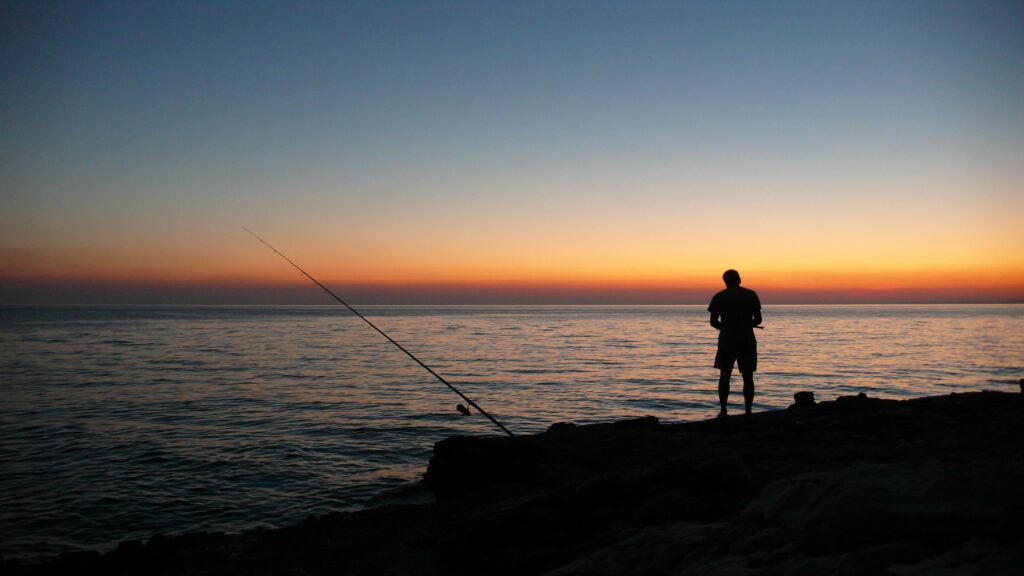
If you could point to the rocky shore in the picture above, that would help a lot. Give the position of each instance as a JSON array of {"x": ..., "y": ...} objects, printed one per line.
[{"x": 856, "y": 485}]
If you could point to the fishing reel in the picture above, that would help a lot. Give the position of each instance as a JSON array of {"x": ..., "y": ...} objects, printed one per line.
[{"x": 462, "y": 409}]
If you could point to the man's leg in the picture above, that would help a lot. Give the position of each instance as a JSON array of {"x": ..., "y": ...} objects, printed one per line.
[
  {"x": 748, "y": 390},
  {"x": 723, "y": 388}
]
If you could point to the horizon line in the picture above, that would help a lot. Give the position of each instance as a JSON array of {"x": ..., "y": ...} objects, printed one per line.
[
  {"x": 194, "y": 292},
  {"x": 501, "y": 304}
]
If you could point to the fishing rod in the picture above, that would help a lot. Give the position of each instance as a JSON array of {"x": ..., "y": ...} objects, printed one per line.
[{"x": 460, "y": 407}]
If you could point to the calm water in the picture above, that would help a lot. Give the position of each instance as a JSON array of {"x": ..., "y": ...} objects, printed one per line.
[{"x": 122, "y": 422}]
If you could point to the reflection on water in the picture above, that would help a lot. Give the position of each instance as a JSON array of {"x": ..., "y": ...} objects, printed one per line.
[{"x": 118, "y": 423}]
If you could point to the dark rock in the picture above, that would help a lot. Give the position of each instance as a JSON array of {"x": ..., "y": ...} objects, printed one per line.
[
  {"x": 129, "y": 547},
  {"x": 803, "y": 399},
  {"x": 668, "y": 506},
  {"x": 562, "y": 427},
  {"x": 860, "y": 401},
  {"x": 465, "y": 464},
  {"x": 87, "y": 562},
  {"x": 977, "y": 556},
  {"x": 771, "y": 538},
  {"x": 877, "y": 559},
  {"x": 854, "y": 486},
  {"x": 635, "y": 423},
  {"x": 727, "y": 476},
  {"x": 860, "y": 397}
]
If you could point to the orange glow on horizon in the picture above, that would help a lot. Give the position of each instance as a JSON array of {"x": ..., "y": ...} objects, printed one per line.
[
  {"x": 775, "y": 287},
  {"x": 592, "y": 270}
]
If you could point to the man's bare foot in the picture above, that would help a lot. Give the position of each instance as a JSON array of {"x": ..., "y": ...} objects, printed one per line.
[{"x": 722, "y": 415}]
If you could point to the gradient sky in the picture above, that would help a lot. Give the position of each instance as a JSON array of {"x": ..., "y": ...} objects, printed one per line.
[{"x": 511, "y": 152}]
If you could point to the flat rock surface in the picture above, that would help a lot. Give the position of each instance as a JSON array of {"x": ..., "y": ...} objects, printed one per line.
[{"x": 852, "y": 486}]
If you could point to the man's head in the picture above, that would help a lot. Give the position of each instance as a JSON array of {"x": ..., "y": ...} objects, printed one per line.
[{"x": 731, "y": 278}]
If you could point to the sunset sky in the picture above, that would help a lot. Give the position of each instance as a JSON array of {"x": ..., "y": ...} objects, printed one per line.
[{"x": 459, "y": 152}]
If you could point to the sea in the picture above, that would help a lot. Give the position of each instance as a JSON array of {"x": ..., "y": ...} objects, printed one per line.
[{"x": 117, "y": 423}]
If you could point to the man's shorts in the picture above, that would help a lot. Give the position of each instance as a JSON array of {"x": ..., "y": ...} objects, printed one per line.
[{"x": 742, "y": 352}]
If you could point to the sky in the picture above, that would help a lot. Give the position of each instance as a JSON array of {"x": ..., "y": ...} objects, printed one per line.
[{"x": 527, "y": 152}]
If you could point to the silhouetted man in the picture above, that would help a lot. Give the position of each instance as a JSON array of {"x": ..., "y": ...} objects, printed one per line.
[{"x": 734, "y": 312}]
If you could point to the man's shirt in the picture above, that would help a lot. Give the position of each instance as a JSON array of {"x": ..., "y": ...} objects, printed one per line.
[{"x": 736, "y": 307}]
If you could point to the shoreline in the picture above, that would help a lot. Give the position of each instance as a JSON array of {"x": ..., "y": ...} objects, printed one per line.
[{"x": 853, "y": 485}]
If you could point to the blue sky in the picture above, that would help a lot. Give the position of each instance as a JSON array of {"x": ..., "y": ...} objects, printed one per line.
[{"x": 547, "y": 136}]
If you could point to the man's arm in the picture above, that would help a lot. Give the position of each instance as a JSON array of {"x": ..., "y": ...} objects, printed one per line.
[
  {"x": 715, "y": 308},
  {"x": 757, "y": 310}
]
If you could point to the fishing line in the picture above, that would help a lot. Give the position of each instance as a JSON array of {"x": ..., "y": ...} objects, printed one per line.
[{"x": 460, "y": 407}]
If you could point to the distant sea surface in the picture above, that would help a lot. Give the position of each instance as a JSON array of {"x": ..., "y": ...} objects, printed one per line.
[{"x": 119, "y": 423}]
